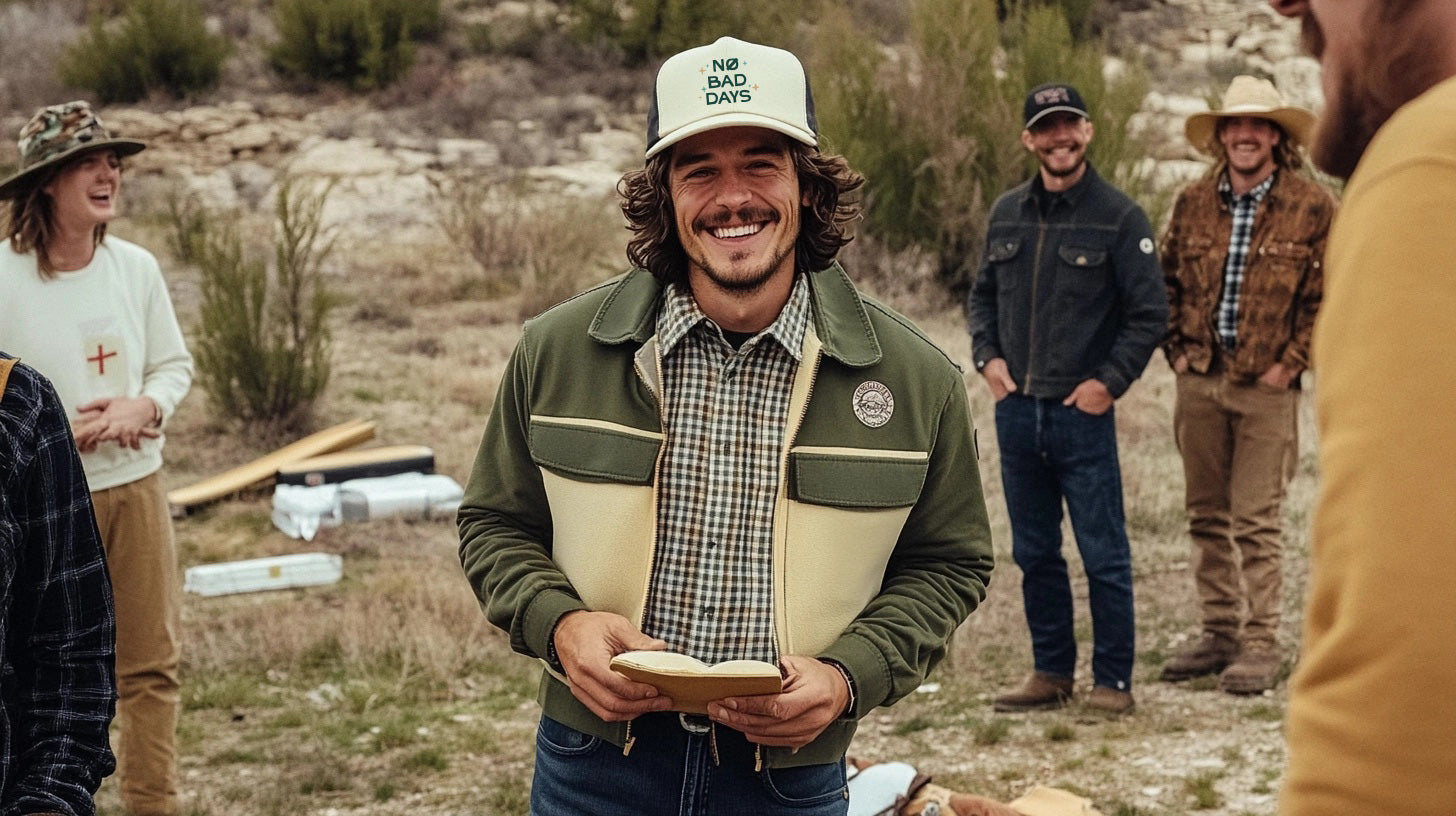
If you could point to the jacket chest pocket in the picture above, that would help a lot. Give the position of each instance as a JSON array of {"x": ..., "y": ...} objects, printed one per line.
[
  {"x": 1082, "y": 271},
  {"x": 593, "y": 450},
  {"x": 869, "y": 480},
  {"x": 999, "y": 253}
]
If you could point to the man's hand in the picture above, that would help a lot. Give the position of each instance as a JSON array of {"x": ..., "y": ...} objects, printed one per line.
[
  {"x": 1180, "y": 365},
  {"x": 123, "y": 420},
  {"x": 586, "y": 642},
  {"x": 1090, "y": 397},
  {"x": 814, "y": 696},
  {"x": 1278, "y": 376},
  {"x": 998, "y": 377}
]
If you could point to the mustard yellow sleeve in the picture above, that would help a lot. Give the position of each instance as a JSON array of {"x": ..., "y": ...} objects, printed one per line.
[{"x": 1372, "y": 719}]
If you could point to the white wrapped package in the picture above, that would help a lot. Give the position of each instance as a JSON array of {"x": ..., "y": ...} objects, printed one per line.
[
  {"x": 257, "y": 574},
  {"x": 415, "y": 495},
  {"x": 299, "y": 511}
]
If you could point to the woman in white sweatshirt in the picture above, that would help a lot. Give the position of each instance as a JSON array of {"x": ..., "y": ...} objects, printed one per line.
[{"x": 92, "y": 313}]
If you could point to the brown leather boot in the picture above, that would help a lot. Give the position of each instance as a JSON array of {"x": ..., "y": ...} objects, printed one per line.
[
  {"x": 1254, "y": 671},
  {"x": 1109, "y": 701},
  {"x": 1038, "y": 691},
  {"x": 1211, "y": 654}
]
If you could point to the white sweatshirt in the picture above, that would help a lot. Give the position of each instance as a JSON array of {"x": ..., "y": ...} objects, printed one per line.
[{"x": 105, "y": 330}]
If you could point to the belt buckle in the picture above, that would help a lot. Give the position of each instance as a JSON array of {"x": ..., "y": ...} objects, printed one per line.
[{"x": 694, "y": 723}]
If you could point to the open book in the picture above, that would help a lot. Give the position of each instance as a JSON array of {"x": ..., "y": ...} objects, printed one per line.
[{"x": 692, "y": 684}]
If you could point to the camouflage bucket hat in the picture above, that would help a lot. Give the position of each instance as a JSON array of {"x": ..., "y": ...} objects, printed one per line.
[{"x": 57, "y": 133}]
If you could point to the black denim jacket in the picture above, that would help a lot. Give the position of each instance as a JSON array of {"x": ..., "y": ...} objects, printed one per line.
[{"x": 1069, "y": 288}]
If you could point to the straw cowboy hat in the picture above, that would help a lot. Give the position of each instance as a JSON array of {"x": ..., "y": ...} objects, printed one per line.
[
  {"x": 1249, "y": 96},
  {"x": 58, "y": 133}
]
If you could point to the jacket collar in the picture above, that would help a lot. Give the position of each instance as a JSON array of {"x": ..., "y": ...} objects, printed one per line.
[
  {"x": 840, "y": 319},
  {"x": 1072, "y": 195}
]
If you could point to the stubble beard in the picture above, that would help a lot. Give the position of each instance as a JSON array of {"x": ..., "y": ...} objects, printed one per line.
[
  {"x": 1394, "y": 68},
  {"x": 742, "y": 282}
]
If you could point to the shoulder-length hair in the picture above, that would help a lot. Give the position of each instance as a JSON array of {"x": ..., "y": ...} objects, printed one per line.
[
  {"x": 33, "y": 221},
  {"x": 825, "y": 182}
]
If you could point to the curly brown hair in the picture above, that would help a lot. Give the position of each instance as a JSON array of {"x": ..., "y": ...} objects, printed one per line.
[
  {"x": 32, "y": 221},
  {"x": 825, "y": 181}
]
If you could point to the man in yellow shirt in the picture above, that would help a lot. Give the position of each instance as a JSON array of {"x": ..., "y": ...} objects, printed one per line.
[{"x": 1372, "y": 722}]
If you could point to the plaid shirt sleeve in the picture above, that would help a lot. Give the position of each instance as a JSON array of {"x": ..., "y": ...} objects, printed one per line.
[{"x": 60, "y": 684}]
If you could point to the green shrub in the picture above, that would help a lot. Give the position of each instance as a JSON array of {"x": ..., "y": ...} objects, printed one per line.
[
  {"x": 936, "y": 134},
  {"x": 263, "y": 347},
  {"x": 156, "y": 45},
  {"x": 365, "y": 44},
  {"x": 649, "y": 30}
]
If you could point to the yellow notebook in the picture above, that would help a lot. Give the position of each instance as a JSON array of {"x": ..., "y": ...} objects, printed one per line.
[{"x": 692, "y": 684}]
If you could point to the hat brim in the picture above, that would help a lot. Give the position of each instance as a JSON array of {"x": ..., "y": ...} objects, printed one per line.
[
  {"x": 20, "y": 181},
  {"x": 1201, "y": 128},
  {"x": 731, "y": 119},
  {"x": 1040, "y": 115}
]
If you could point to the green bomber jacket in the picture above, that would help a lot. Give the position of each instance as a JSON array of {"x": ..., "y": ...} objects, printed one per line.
[{"x": 881, "y": 546}]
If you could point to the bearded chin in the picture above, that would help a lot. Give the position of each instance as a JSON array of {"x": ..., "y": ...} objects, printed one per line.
[
  {"x": 1397, "y": 65},
  {"x": 1345, "y": 130}
]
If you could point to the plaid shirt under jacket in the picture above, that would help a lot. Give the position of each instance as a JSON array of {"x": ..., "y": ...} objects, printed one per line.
[
  {"x": 726, "y": 410},
  {"x": 56, "y": 620},
  {"x": 1243, "y": 208}
]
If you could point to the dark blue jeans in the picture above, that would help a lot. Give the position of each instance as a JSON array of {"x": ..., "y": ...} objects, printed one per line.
[
  {"x": 672, "y": 771},
  {"x": 1051, "y": 452}
]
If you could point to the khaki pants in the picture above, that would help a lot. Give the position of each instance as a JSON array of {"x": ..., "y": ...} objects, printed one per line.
[
  {"x": 141, "y": 556},
  {"x": 1239, "y": 444}
]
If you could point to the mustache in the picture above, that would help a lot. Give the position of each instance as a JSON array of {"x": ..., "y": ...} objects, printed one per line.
[{"x": 743, "y": 215}]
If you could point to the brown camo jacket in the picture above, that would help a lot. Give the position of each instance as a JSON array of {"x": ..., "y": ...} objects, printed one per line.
[{"x": 1283, "y": 280}]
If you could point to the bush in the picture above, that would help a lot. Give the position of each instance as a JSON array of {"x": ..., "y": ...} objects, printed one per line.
[
  {"x": 263, "y": 347},
  {"x": 543, "y": 248},
  {"x": 936, "y": 133},
  {"x": 365, "y": 44},
  {"x": 157, "y": 45},
  {"x": 649, "y": 30}
]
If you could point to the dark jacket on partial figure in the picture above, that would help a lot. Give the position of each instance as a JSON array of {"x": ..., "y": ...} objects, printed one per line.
[{"x": 1069, "y": 288}]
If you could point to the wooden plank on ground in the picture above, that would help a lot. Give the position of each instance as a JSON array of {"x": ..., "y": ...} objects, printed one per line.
[
  {"x": 263, "y": 469},
  {"x": 359, "y": 463}
]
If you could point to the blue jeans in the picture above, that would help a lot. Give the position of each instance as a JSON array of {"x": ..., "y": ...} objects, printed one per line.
[
  {"x": 673, "y": 771},
  {"x": 1051, "y": 452}
]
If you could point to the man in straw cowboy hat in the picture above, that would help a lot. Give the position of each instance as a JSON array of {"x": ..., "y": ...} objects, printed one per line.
[
  {"x": 1242, "y": 261},
  {"x": 91, "y": 312}
]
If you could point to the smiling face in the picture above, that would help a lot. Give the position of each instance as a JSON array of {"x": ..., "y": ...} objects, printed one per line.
[
  {"x": 84, "y": 193},
  {"x": 736, "y": 199},
  {"x": 1059, "y": 142},
  {"x": 1249, "y": 143}
]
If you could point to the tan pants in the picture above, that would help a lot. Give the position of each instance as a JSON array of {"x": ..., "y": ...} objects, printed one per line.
[
  {"x": 141, "y": 556},
  {"x": 1239, "y": 444}
]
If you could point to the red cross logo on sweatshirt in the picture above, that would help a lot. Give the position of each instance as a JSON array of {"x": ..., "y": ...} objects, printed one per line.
[{"x": 100, "y": 360}]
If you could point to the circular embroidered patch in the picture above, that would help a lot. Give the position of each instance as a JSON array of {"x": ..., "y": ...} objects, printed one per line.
[
  {"x": 1146, "y": 245},
  {"x": 873, "y": 403}
]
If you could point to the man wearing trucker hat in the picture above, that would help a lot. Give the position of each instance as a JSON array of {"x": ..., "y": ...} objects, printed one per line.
[
  {"x": 1065, "y": 311},
  {"x": 731, "y": 453}
]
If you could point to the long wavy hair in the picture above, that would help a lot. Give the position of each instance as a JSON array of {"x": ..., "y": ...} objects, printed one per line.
[
  {"x": 1288, "y": 155},
  {"x": 825, "y": 181},
  {"x": 33, "y": 220}
]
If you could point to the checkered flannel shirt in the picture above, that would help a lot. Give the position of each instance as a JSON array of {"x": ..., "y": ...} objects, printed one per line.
[
  {"x": 1243, "y": 208},
  {"x": 726, "y": 412},
  {"x": 56, "y": 619}
]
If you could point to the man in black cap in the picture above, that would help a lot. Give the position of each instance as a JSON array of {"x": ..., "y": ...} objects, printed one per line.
[{"x": 1066, "y": 309}]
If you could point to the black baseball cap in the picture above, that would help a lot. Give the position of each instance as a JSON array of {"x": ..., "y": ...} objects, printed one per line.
[{"x": 1051, "y": 98}]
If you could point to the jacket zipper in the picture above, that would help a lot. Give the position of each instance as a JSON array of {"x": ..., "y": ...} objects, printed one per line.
[
  {"x": 1035, "y": 285},
  {"x": 790, "y": 439}
]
